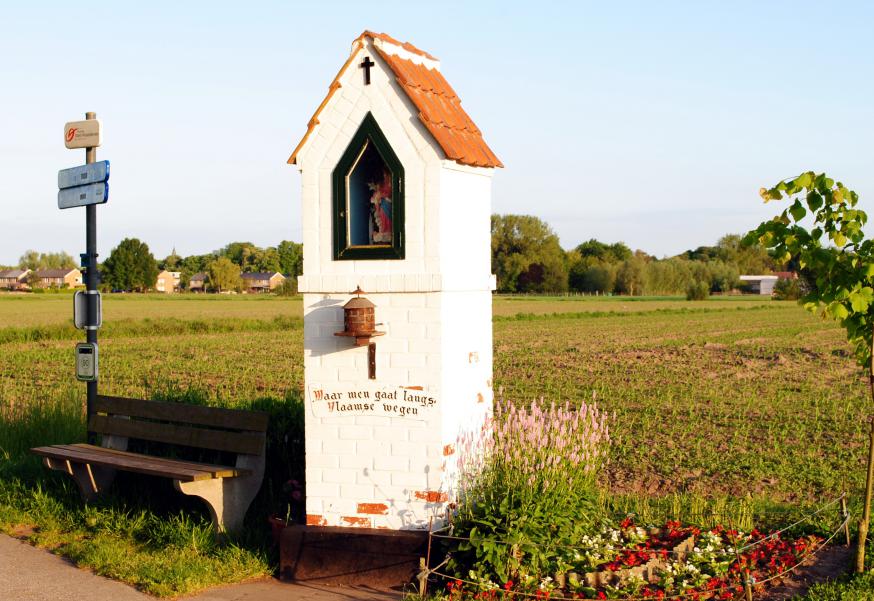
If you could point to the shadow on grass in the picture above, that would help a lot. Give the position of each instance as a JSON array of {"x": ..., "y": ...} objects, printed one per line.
[{"x": 143, "y": 531}]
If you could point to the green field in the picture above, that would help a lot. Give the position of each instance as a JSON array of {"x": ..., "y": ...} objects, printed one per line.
[
  {"x": 743, "y": 398},
  {"x": 724, "y": 396}
]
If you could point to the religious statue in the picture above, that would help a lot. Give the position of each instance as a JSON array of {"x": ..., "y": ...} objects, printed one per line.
[{"x": 380, "y": 210}]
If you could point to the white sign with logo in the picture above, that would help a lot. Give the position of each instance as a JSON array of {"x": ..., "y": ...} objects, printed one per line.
[
  {"x": 82, "y": 134},
  {"x": 337, "y": 399}
]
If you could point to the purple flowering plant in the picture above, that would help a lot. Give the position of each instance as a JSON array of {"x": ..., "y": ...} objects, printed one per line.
[{"x": 527, "y": 479}]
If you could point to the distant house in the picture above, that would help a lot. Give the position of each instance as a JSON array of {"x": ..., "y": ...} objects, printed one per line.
[
  {"x": 168, "y": 281},
  {"x": 764, "y": 284},
  {"x": 262, "y": 281},
  {"x": 59, "y": 278},
  {"x": 197, "y": 283},
  {"x": 14, "y": 279},
  {"x": 786, "y": 275}
]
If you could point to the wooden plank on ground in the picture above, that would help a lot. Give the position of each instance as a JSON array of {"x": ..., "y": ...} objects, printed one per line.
[
  {"x": 250, "y": 443},
  {"x": 216, "y": 417}
]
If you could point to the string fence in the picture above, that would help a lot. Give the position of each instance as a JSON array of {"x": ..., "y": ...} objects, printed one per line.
[
  {"x": 807, "y": 517},
  {"x": 735, "y": 587}
]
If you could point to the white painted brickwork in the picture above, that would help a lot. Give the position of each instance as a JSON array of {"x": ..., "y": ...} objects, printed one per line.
[{"x": 434, "y": 307}]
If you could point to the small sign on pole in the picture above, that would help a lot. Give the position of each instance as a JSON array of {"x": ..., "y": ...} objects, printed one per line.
[
  {"x": 82, "y": 196},
  {"x": 82, "y": 134},
  {"x": 81, "y": 314},
  {"x": 92, "y": 173},
  {"x": 86, "y": 361}
]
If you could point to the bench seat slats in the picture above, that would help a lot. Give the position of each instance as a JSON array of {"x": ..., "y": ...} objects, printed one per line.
[
  {"x": 133, "y": 462},
  {"x": 250, "y": 443},
  {"x": 215, "y": 417},
  {"x": 185, "y": 471},
  {"x": 139, "y": 465},
  {"x": 181, "y": 463}
]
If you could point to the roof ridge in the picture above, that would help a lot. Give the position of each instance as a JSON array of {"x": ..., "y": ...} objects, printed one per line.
[{"x": 405, "y": 45}]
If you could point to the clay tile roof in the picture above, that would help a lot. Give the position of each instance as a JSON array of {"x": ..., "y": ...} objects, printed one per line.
[{"x": 438, "y": 105}]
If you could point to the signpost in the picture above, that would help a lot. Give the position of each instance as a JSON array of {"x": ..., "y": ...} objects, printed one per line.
[{"x": 86, "y": 186}]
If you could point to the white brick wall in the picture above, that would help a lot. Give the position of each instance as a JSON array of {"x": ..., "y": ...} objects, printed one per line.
[{"x": 434, "y": 307}]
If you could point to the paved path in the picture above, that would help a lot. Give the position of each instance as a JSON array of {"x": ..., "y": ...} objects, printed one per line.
[{"x": 31, "y": 574}]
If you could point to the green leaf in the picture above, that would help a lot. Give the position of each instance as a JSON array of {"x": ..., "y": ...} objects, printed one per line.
[
  {"x": 797, "y": 211},
  {"x": 837, "y": 310},
  {"x": 859, "y": 303},
  {"x": 839, "y": 239},
  {"x": 814, "y": 200},
  {"x": 804, "y": 180}
]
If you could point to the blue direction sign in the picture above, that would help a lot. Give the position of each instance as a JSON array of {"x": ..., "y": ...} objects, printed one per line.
[
  {"x": 93, "y": 173},
  {"x": 83, "y": 185},
  {"x": 81, "y": 196}
]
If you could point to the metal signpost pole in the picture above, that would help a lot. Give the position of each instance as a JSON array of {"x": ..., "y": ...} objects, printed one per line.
[{"x": 91, "y": 274}]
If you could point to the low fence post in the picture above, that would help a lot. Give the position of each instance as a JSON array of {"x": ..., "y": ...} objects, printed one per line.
[{"x": 844, "y": 515}]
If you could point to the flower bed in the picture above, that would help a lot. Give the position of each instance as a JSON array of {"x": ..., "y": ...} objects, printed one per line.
[{"x": 652, "y": 563}]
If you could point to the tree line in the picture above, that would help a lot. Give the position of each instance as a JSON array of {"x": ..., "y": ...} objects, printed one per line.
[
  {"x": 527, "y": 257},
  {"x": 131, "y": 266}
]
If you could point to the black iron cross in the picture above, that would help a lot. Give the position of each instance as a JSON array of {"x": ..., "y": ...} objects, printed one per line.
[{"x": 366, "y": 65}]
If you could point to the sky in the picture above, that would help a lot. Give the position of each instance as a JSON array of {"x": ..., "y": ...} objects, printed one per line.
[{"x": 651, "y": 123}]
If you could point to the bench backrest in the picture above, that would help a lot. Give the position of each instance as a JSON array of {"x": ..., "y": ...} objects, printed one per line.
[{"x": 214, "y": 428}]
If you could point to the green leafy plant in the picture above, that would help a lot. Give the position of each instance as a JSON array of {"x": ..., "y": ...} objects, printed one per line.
[
  {"x": 833, "y": 255},
  {"x": 788, "y": 289},
  {"x": 837, "y": 263},
  {"x": 698, "y": 290}
]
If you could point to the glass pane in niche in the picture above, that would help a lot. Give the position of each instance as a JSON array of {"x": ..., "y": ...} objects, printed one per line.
[{"x": 369, "y": 200}]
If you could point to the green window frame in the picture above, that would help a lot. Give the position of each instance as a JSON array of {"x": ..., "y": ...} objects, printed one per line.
[{"x": 368, "y": 136}]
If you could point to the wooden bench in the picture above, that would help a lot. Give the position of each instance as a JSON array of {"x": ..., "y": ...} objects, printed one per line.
[{"x": 227, "y": 490}]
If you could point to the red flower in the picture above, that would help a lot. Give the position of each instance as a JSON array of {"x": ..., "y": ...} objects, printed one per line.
[
  {"x": 601, "y": 595},
  {"x": 508, "y": 585}
]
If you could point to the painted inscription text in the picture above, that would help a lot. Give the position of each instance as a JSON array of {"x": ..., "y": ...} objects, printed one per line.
[{"x": 336, "y": 400}]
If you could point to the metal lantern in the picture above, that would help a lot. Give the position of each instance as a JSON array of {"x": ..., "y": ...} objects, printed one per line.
[{"x": 359, "y": 321}]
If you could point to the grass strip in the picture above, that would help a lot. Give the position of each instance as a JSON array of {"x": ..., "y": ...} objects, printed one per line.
[
  {"x": 601, "y": 314},
  {"x": 850, "y": 588},
  {"x": 130, "y": 328}
]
